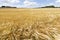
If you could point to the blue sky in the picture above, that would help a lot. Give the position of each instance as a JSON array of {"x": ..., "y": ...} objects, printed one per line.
[{"x": 29, "y": 3}]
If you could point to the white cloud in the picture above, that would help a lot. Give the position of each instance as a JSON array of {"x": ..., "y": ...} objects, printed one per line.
[
  {"x": 49, "y": 4},
  {"x": 57, "y": 0},
  {"x": 13, "y": 1},
  {"x": 9, "y": 2},
  {"x": 28, "y": 3}
]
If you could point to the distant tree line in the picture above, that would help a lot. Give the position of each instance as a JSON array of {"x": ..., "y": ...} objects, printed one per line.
[
  {"x": 7, "y": 7},
  {"x": 48, "y": 7},
  {"x": 51, "y": 6}
]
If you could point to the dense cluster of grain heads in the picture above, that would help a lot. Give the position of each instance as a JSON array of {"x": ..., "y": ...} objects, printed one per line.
[{"x": 29, "y": 24}]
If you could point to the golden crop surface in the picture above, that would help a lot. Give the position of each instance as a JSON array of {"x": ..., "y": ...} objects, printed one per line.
[{"x": 30, "y": 24}]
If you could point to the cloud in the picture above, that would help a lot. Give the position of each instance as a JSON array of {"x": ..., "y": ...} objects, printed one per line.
[
  {"x": 28, "y": 3},
  {"x": 57, "y": 0},
  {"x": 18, "y": 3},
  {"x": 9, "y": 2}
]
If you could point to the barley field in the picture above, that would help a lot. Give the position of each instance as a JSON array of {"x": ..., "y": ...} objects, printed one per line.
[{"x": 30, "y": 24}]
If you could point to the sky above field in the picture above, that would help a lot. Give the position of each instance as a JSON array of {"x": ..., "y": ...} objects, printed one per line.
[{"x": 29, "y": 3}]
